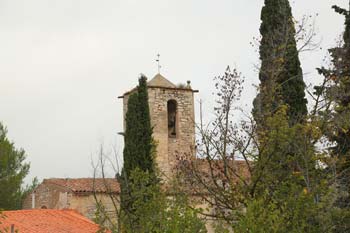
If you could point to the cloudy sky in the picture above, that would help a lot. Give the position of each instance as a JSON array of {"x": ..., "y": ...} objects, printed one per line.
[{"x": 63, "y": 63}]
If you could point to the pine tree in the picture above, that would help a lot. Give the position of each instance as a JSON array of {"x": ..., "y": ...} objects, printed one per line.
[
  {"x": 336, "y": 118},
  {"x": 13, "y": 170},
  {"x": 281, "y": 78},
  {"x": 341, "y": 91}
]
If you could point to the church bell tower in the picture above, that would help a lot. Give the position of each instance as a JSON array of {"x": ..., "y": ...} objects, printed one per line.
[{"x": 172, "y": 118}]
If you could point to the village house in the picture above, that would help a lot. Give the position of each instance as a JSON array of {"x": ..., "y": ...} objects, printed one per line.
[{"x": 77, "y": 194}]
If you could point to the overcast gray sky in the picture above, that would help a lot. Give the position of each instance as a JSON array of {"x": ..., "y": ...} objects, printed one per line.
[{"x": 63, "y": 63}]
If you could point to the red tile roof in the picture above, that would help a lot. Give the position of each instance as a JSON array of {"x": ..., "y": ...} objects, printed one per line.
[
  {"x": 240, "y": 167},
  {"x": 47, "y": 221},
  {"x": 87, "y": 185}
]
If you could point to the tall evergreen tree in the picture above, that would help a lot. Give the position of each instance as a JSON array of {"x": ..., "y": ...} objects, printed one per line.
[
  {"x": 138, "y": 174},
  {"x": 146, "y": 140},
  {"x": 13, "y": 170},
  {"x": 138, "y": 134},
  {"x": 130, "y": 154},
  {"x": 281, "y": 78}
]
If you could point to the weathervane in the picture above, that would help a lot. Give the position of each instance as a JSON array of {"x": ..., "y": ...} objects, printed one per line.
[{"x": 158, "y": 62}]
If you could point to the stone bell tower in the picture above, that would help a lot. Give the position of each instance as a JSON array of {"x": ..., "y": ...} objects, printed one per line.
[{"x": 172, "y": 118}]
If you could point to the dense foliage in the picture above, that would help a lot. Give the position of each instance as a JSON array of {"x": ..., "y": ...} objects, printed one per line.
[
  {"x": 335, "y": 114},
  {"x": 158, "y": 211},
  {"x": 288, "y": 192},
  {"x": 13, "y": 169}
]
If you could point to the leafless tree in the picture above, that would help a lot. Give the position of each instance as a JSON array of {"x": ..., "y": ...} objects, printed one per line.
[{"x": 108, "y": 216}]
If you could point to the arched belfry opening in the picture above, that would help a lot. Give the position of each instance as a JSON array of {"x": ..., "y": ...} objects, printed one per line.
[{"x": 172, "y": 118}]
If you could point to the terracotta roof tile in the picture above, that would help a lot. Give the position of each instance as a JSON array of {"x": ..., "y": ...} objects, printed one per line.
[
  {"x": 47, "y": 221},
  {"x": 87, "y": 185},
  {"x": 240, "y": 167}
]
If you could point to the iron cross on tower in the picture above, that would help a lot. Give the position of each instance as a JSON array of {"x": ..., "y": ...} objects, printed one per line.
[{"x": 158, "y": 62}]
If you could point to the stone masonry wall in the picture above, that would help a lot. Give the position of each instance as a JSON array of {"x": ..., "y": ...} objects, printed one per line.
[
  {"x": 170, "y": 149},
  {"x": 86, "y": 204},
  {"x": 48, "y": 196}
]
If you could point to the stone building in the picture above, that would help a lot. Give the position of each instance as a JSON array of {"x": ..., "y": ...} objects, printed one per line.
[
  {"x": 172, "y": 118},
  {"x": 77, "y": 194}
]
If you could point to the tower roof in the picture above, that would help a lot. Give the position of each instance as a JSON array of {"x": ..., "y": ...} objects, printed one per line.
[{"x": 160, "y": 81}]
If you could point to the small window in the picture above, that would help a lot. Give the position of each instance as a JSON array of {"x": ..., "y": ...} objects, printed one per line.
[
  {"x": 44, "y": 207},
  {"x": 172, "y": 118}
]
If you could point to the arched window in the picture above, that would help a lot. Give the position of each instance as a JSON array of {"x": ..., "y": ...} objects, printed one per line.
[
  {"x": 172, "y": 118},
  {"x": 44, "y": 207}
]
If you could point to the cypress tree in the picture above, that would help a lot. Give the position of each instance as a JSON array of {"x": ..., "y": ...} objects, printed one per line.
[
  {"x": 281, "y": 78},
  {"x": 131, "y": 150},
  {"x": 145, "y": 132},
  {"x": 138, "y": 159},
  {"x": 280, "y": 106},
  {"x": 138, "y": 134}
]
